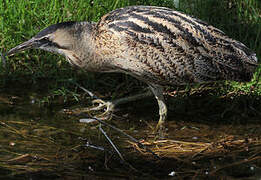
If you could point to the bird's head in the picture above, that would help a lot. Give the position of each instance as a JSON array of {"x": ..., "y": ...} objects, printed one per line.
[
  {"x": 55, "y": 38},
  {"x": 62, "y": 38}
]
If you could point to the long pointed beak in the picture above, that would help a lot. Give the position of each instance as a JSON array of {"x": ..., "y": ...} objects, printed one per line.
[{"x": 32, "y": 43}]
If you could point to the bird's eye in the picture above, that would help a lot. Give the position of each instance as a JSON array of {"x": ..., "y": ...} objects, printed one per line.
[{"x": 45, "y": 39}]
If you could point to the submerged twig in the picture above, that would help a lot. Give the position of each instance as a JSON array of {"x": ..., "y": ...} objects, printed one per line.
[
  {"x": 12, "y": 129},
  {"x": 116, "y": 149},
  {"x": 112, "y": 144},
  {"x": 125, "y": 134},
  {"x": 94, "y": 146}
]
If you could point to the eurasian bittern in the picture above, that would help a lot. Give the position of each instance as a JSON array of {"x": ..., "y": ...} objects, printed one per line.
[{"x": 156, "y": 45}]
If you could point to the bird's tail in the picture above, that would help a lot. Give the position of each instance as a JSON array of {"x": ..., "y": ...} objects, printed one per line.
[
  {"x": 239, "y": 64},
  {"x": 250, "y": 65}
]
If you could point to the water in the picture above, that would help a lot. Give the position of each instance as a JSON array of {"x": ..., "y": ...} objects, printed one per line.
[{"x": 207, "y": 137}]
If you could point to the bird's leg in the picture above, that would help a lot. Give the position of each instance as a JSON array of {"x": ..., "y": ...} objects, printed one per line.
[{"x": 158, "y": 92}]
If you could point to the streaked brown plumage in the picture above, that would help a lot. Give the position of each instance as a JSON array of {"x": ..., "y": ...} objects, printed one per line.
[{"x": 156, "y": 45}]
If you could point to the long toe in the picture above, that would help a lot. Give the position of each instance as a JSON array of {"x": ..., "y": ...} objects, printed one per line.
[
  {"x": 100, "y": 108},
  {"x": 106, "y": 106}
]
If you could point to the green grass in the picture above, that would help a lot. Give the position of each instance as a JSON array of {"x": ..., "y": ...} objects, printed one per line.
[{"x": 20, "y": 20}]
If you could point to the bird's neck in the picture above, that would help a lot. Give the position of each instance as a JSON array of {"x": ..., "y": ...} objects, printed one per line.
[{"x": 89, "y": 51}]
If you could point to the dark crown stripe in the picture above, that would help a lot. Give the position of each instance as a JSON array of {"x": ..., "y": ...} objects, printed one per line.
[{"x": 54, "y": 27}]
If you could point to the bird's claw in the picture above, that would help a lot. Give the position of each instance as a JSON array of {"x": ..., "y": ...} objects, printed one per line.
[{"x": 105, "y": 106}]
